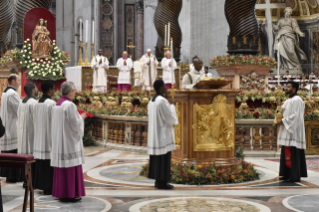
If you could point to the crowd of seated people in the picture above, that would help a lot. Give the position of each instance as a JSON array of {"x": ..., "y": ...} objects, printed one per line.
[{"x": 307, "y": 83}]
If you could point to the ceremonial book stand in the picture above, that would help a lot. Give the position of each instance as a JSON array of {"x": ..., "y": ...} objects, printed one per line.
[{"x": 206, "y": 130}]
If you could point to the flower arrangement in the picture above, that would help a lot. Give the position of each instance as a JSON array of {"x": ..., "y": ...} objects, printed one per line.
[
  {"x": 242, "y": 60},
  {"x": 8, "y": 56},
  {"x": 209, "y": 174},
  {"x": 184, "y": 66},
  {"x": 311, "y": 114},
  {"x": 43, "y": 69}
]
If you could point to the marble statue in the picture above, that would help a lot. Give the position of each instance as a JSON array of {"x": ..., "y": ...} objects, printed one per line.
[
  {"x": 41, "y": 42},
  {"x": 286, "y": 45}
]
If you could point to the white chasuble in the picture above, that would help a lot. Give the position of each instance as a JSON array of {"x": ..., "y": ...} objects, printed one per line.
[
  {"x": 149, "y": 71},
  {"x": 169, "y": 66},
  {"x": 26, "y": 127},
  {"x": 161, "y": 120},
  {"x": 191, "y": 78},
  {"x": 292, "y": 132},
  {"x": 124, "y": 70},
  {"x": 9, "y": 114},
  {"x": 42, "y": 117},
  {"x": 67, "y": 132},
  {"x": 99, "y": 71}
]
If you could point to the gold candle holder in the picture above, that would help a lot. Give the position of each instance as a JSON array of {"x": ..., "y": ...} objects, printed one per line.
[
  {"x": 173, "y": 91},
  {"x": 87, "y": 62},
  {"x": 92, "y": 48},
  {"x": 80, "y": 63},
  {"x": 279, "y": 115}
]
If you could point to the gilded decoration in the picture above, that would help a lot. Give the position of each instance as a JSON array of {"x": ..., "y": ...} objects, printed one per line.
[
  {"x": 252, "y": 82},
  {"x": 315, "y": 52},
  {"x": 315, "y": 137},
  {"x": 177, "y": 128},
  {"x": 42, "y": 45},
  {"x": 213, "y": 127},
  {"x": 302, "y": 10}
]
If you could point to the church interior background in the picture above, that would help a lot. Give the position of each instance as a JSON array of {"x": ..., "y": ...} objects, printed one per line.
[{"x": 234, "y": 38}]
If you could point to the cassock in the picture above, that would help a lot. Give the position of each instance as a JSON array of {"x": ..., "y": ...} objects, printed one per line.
[
  {"x": 161, "y": 140},
  {"x": 99, "y": 73},
  {"x": 149, "y": 72},
  {"x": 169, "y": 71},
  {"x": 124, "y": 79},
  {"x": 43, "y": 144},
  {"x": 291, "y": 135},
  {"x": 67, "y": 154},
  {"x": 191, "y": 78},
  {"x": 10, "y": 101}
]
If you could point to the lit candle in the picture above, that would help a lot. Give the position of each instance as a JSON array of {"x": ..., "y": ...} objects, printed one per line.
[
  {"x": 92, "y": 32},
  {"x": 172, "y": 48},
  {"x": 80, "y": 30},
  {"x": 169, "y": 33},
  {"x": 278, "y": 64},
  {"x": 87, "y": 31},
  {"x": 165, "y": 35}
]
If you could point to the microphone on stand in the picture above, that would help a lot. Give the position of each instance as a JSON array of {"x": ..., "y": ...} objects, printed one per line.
[{"x": 3, "y": 84}]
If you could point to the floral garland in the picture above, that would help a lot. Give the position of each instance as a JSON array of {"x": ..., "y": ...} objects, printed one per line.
[
  {"x": 258, "y": 113},
  {"x": 209, "y": 174},
  {"x": 242, "y": 60},
  {"x": 43, "y": 69}
]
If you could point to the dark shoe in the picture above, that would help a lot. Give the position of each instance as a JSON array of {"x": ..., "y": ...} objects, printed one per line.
[
  {"x": 166, "y": 186},
  {"x": 70, "y": 199},
  {"x": 47, "y": 192},
  {"x": 288, "y": 181},
  {"x": 283, "y": 178}
]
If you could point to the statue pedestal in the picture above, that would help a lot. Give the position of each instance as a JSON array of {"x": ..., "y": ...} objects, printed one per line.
[{"x": 206, "y": 130}]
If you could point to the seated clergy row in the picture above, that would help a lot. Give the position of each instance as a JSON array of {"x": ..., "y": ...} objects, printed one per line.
[{"x": 32, "y": 126}]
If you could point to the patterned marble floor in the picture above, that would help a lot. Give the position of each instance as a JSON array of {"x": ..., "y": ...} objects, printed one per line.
[{"x": 113, "y": 183}]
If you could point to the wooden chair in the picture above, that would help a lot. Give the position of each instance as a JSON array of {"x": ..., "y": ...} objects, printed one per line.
[
  {"x": 23, "y": 162},
  {"x": 112, "y": 82}
]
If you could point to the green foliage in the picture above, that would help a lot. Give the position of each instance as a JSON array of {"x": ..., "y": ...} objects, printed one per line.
[
  {"x": 239, "y": 153},
  {"x": 87, "y": 138},
  {"x": 209, "y": 174}
]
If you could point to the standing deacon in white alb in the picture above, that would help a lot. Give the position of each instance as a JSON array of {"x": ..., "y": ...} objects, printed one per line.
[
  {"x": 291, "y": 136},
  {"x": 99, "y": 65},
  {"x": 25, "y": 120},
  {"x": 10, "y": 101},
  {"x": 169, "y": 65},
  {"x": 124, "y": 65},
  {"x": 161, "y": 140},
  {"x": 149, "y": 70},
  {"x": 42, "y": 117}
]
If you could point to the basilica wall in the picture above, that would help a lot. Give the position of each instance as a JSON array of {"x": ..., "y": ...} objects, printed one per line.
[{"x": 204, "y": 29}]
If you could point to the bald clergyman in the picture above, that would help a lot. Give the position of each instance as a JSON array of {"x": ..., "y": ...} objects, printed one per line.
[{"x": 149, "y": 65}]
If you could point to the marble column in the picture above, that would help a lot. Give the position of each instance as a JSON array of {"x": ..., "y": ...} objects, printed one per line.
[{"x": 140, "y": 29}]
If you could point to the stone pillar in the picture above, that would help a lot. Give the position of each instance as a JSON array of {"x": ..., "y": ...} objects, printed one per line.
[{"x": 140, "y": 29}]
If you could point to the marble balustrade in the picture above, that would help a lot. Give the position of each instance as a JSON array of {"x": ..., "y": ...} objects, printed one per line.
[{"x": 130, "y": 133}]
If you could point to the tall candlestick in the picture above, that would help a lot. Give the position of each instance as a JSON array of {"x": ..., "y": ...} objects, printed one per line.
[
  {"x": 81, "y": 30},
  {"x": 87, "y": 31},
  {"x": 165, "y": 35},
  {"x": 92, "y": 32},
  {"x": 169, "y": 33}
]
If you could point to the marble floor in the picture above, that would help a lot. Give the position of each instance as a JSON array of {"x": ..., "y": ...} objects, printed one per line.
[{"x": 113, "y": 184}]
